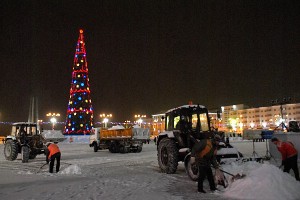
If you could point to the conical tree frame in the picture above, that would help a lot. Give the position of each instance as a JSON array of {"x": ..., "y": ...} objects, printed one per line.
[{"x": 79, "y": 120}]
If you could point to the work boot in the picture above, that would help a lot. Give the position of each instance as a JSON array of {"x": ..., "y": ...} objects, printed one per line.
[
  {"x": 201, "y": 191},
  {"x": 215, "y": 191}
]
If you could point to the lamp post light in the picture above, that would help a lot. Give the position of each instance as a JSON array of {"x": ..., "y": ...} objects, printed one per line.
[
  {"x": 105, "y": 115},
  {"x": 105, "y": 118},
  {"x": 53, "y": 119}
]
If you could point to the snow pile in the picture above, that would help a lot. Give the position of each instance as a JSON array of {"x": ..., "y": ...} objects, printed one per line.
[
  {"x": 262, "y": 181},
  {"x": 72, "y": 169},
  {"x": 116, "y": 127}
]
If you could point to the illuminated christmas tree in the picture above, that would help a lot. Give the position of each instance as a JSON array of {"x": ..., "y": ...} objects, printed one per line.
[{"x": 80, "y": 111}]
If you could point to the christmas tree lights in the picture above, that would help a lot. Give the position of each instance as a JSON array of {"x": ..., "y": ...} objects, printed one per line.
[{"x": 79, "y": 120}]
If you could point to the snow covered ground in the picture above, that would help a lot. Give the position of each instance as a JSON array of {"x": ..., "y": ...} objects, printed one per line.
[{"x": 102, "y": 175}]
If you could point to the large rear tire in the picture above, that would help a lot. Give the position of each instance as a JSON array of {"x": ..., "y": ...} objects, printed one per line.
[
  {"x": 167, "y": 154},
  {"x": 25, "y": 154},
  {"x": 123, "y": 149},
  {"x": 10, "y": 150},
  {"x": 191, "y": 169}
]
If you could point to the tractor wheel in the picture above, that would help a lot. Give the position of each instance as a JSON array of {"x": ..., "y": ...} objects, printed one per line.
[
  {"x": 111, "y": 148},
  {"x": 122, "y": 149},
  {"x": 114, "y": 148},
  {"x": 127, "y": 149},
  {"x": 25, "y": 154},
  {"x": 191, "y": 169},
  {"x": 167, "y": 155},
  {"x": 10, "y": 150}
]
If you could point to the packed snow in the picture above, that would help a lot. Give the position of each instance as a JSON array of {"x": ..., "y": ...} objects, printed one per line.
[{"x": 86, "y": 174}]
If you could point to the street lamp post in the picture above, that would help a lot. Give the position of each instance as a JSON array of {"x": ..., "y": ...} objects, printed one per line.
[
  {"x": 53, "y": 119},
  {"x": 139, "y": 119},
  {"x": 282, "y": 102},
  {"x": 127, "y": 122},
  {"x": 105, "y": 119}
]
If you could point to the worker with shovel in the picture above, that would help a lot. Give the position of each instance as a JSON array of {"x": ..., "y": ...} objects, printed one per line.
[
  {"x": 289, "y": 156},
  {"x": 204, "y": 154},
  {"x": 53, "y": 153}
]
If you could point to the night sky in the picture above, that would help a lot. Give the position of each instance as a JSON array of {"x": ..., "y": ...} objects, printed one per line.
[{"x": 145, "y": 57}]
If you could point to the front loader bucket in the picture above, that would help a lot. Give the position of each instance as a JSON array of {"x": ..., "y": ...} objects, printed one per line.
[{"x": 53, "y": 136}]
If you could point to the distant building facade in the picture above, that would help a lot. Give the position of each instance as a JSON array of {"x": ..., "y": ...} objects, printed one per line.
[
  {"x": 239, "y": 117},
  {"x": 158, "y": 124}
]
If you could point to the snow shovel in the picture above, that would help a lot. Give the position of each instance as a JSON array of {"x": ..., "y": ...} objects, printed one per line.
[
  {"x": 41, "y": 167},
  {"x": 234, "y": 177}
]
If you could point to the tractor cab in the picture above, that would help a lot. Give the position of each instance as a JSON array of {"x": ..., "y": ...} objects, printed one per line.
[{"x": 187, "y": 123}]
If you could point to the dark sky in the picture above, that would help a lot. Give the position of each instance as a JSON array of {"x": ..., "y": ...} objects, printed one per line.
[{"x": 148, "y": 56}]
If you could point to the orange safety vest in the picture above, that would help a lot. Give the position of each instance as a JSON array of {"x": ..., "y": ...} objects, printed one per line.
[
  {"x": 207, "y": 149},
  {"x": 53, "y": 149}
]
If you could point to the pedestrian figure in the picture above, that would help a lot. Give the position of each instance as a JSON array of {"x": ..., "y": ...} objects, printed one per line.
[
  {"x": 53, "y": 153},
  {"x": 289, "y": 156},
  {"x": 204, "y": 154}
]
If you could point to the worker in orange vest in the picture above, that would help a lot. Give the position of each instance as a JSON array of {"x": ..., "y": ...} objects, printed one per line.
[
  {"x": 204, "y": 155},
  {"x": 53, "y": 153}
]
